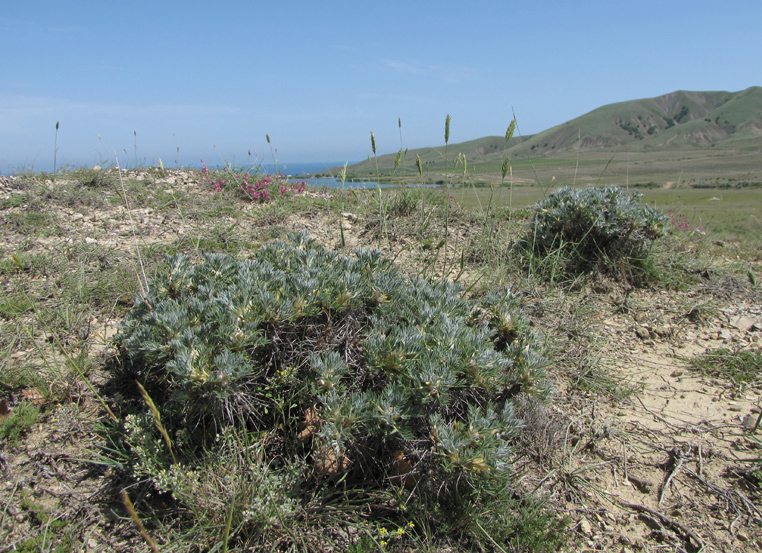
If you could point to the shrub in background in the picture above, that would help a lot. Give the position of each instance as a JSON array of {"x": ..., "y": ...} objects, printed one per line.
[
  {"x": 604, "y": 229},
  {"x": 303, "y": 378}
]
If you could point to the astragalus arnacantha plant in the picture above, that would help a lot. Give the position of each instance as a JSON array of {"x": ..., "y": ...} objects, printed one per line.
[
  {"x": 341, "y": 369},
  {"x": 594, "y": 228}
]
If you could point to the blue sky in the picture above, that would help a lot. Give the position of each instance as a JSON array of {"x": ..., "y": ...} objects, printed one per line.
[{"x": 213, "y": 78}]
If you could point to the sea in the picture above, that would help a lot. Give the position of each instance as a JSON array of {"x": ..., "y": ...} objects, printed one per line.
[{"x": 294, "y": 171}]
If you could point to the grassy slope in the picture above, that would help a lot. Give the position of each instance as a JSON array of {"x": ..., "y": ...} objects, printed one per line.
[{"x": 722, "y": 121}]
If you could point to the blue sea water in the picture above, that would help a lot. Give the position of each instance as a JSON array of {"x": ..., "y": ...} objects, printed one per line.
[
  {"x": 302, "y": 168},
  {"x": 293, "y": 170}
]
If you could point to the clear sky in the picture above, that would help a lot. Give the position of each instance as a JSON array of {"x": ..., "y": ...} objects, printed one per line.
[{"x": 213, "y": 78}]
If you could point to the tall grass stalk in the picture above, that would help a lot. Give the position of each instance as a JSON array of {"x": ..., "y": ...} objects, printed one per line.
[
  {"x": 604, "y": 169},
  {"x": 447, "y": 140},
  {"x": 143, "y": 282},
  {"x": 381, "y": 214},
  {"x": 138, "y": 523},
  {"x": 55, "y": 148},
  {"x": 576, "y": 167},
  {"x": 544, "y": 189},
  {"x": 272, "y": 153},
  {"x": 506, "y": 167},
  {"x": 343, "y": 177},
  {"x": 157, "y": 420},
  {"x": 228, "y": 523}
]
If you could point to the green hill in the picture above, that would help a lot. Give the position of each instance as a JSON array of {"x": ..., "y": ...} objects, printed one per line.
[{"x": 678, "y": 121}]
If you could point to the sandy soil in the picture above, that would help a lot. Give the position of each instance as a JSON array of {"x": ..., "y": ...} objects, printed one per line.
[{"x": 644, "y": 453}]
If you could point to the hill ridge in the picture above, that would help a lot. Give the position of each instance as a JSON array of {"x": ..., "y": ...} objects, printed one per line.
[{"x": 679, "y": 120}]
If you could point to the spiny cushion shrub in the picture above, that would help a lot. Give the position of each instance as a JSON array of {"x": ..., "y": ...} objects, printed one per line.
[
  {"x": 589, "y": 229},
  {"x": 327, "y": 375}
]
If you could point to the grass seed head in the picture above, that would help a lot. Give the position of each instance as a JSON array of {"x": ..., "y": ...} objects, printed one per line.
[{"x": 511, "y": 129}]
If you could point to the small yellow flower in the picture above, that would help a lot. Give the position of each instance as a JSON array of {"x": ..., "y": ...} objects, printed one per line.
[
  {"x": 411, "y": 524},
  {"x": 400, "y": 531},
  {"x": 383, "y": 543},
  {"x": 382, "y": 531}
]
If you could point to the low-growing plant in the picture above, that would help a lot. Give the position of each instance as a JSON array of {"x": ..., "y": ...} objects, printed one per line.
[
  {"x": 594, "y": 229},
  {"x": 740, "y": 366},
  {"x": 303, "y": 379},
  {"x": 18, "y": 422},
  {"x": 251, "y": 185}
]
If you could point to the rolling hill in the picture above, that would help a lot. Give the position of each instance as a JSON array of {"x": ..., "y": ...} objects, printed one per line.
[{"x": 678, "y": 121}]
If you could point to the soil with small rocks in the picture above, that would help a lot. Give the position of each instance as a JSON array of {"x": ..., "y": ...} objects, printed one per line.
[{"x": 638, "y": 449}]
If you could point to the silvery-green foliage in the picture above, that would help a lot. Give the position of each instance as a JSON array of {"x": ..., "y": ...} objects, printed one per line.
[
  {"x": 590, "y": 226},
  {"x": 332, "y": 359}
]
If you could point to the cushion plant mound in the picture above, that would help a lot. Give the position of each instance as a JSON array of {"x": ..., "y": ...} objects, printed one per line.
[
  {"x": 334, "y": 368},
  {"x": 594, "y": 228}
]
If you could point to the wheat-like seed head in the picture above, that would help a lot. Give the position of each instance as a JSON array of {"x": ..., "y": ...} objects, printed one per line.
[
  {"x": 418, "y": 165},
  {"x": 267, "y": 136},
  {"x": 511, "y": 128},
  {"x": 398, "y": 159},
  {"x": 373, "y": 142},
  {"x": 504, "y": 168},
  {"x": 447, "y": 129}
]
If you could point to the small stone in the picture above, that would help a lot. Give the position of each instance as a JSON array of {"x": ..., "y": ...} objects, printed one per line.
[
  {"x": 725, "y": 335},
  {"x": 585, "y": 527},
  {"x": 676, "y": 373},
  {"x": 743, "y": 323},
  {"x": 642, "y": 333},
  {"x": 750, "y": 421},
  {"x": 89, "y": 240}
]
